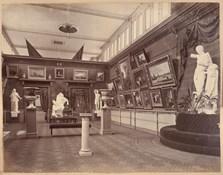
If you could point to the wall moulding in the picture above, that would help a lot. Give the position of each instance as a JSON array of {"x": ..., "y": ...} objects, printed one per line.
[{"x": 178, "y": 19}]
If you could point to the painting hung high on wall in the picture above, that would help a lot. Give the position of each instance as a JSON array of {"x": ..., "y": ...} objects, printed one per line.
[
  {"x": 156, "y": 98},
  {"x": 125, "y": 74},
  {"x": 133, "y": 63},
  {"x": 80, "y": 75},
  {"x": 141, "y": 58},
  {"x": 140, "y": 78},
  {"x": 36, "y": 72},
  {"x": 12, "y": 71},
  {"x": 146, "y": 99},
  {"x": 100, "y": 76},
  {"x": 168, "y": 98},
  {"x": 59, "y": 73},
  {"x": 161, "y": 73},
  {"x": 137, "y": 100}
]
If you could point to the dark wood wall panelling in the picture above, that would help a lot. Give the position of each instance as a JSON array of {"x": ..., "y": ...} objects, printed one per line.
[{"x": 56, "y": 85}]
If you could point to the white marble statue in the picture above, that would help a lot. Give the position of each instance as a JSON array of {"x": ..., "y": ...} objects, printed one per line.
[
  {"x": 15, "y": 101},
  {"x": 206, "y": 79},
  {"x": 58, "y": 105},
  {"x": 97, "y": 100}
]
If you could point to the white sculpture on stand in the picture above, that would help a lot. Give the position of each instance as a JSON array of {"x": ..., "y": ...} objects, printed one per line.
[
  {"x": 14, "y": 103},
  {"x": 97, "y": 100},
  {"x": 58, "y": 105},
  {"x": 206, "y": 81}
]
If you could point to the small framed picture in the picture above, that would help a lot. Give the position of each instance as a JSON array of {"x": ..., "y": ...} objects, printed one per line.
[
  {"x": 59, "y": 73},
  {"x": 137, "y": 100},
  {"x": 169, "y": 101},
  {"x": 140, "y": 78},
  {"x": 146, "y": 99},
  {"x": 100, "y": 76},
  {"x": 156, "y": 98},
  {"x": 133, "y": 63},
  {"x": 118, "y": 84},
  {"x": 36, "y": 72},
  {"x": 141, "y": 58},
  {"x": 121, "y": 100},
  {"x": 128, "y": 99},
  {"x": 12, "y": 71},
  {"x": 111, "y": 86},
  {"x": 80, "y": 75}
]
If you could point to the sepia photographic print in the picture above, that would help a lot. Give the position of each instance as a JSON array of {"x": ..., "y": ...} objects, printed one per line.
[{"x": 111, "y": 87}]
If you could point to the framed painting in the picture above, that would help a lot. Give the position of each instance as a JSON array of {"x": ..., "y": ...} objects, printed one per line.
[
  {"x": 100, "y": 76},
  {"x": 12, "y": 71},
  {"x": 140, "y": 78},
  {"x": 125, "y": 74},
  {"x": 111, "y": 86},
  {"x": 59, "y": 73},
  {"x": 121, "y": 100},
  {"x": 156, "y": 98},
  {"x": 80, "y": 75},
  {"x": 113, "y": 102},
  {"x": 133, "y": 63},
  {"x": 137, "y": 100},
  {"x": 128, "y": 100},
  {"x": 36, "y": 72},
  {"x": 118, "y": 84},
  {"x": 146, "y": 99},
  {"x": 169, "y": 101},
  {"x": 141, "y": 58},
  {"x": 161, "y": 73}
]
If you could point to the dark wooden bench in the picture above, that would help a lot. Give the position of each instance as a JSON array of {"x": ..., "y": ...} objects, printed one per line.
[
  {"x": 65, "y": 125},
  {"x": 63, "y": 120}
]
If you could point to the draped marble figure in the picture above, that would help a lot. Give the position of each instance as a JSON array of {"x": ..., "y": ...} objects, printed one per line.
[
  {"x": 206, "y": 78},
  {"x": 15, "y": 101}
]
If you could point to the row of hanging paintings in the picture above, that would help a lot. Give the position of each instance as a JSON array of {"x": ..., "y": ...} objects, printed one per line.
[{"x": 144, "y": 84}]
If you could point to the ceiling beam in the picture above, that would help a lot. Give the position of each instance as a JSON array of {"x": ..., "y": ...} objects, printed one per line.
[
  {"x": 9, "y": 41},
  {"x": 58, "y": 35},
  {"x": 84, "y": 11},
  {"x": 55, "y": 49}
]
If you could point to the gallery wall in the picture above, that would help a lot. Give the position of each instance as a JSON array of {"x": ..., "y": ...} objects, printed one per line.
[
  {"x": 176, "y": 38},
  {"x": 96, "y": 75}
]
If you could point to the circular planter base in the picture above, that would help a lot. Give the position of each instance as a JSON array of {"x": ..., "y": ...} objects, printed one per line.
[{"x": 197, "y": 133}]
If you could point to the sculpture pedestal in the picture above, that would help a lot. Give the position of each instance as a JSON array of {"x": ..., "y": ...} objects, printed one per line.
[
  {"x": 31, "y": 124},
  {"x": 85, "y": 150},
  {"x": 197, "y": 133},
  {"x": 106, "y": 121}
]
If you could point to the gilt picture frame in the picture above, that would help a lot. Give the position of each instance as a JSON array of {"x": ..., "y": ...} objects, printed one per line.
[
  {"x": 161, "y": 73},
  {"x": 141, "y": 58},
  {"x": 59, "y": 73},
  {"x": 156, "y": 98},
  {"x": 146, "y": 99},
  {"x": 169, "y": 101},
  {"x": 36, "y": 72},
  {"x": 125, "y": 74},
  {"x": 12, "y": 71},
  {"x": 100, "y": 76},
  {"x": 80, "y": 75}
]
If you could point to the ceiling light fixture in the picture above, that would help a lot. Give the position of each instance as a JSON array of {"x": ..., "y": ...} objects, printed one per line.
[{"x": 68, "y": 28}]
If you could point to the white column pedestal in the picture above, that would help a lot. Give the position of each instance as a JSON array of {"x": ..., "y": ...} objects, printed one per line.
[
  {"x": 85, "y": 150},
  {"x": 106, "y": 122}
]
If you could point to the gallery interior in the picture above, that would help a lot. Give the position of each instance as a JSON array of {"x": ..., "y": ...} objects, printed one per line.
[{"x": 111, "y": 87}]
